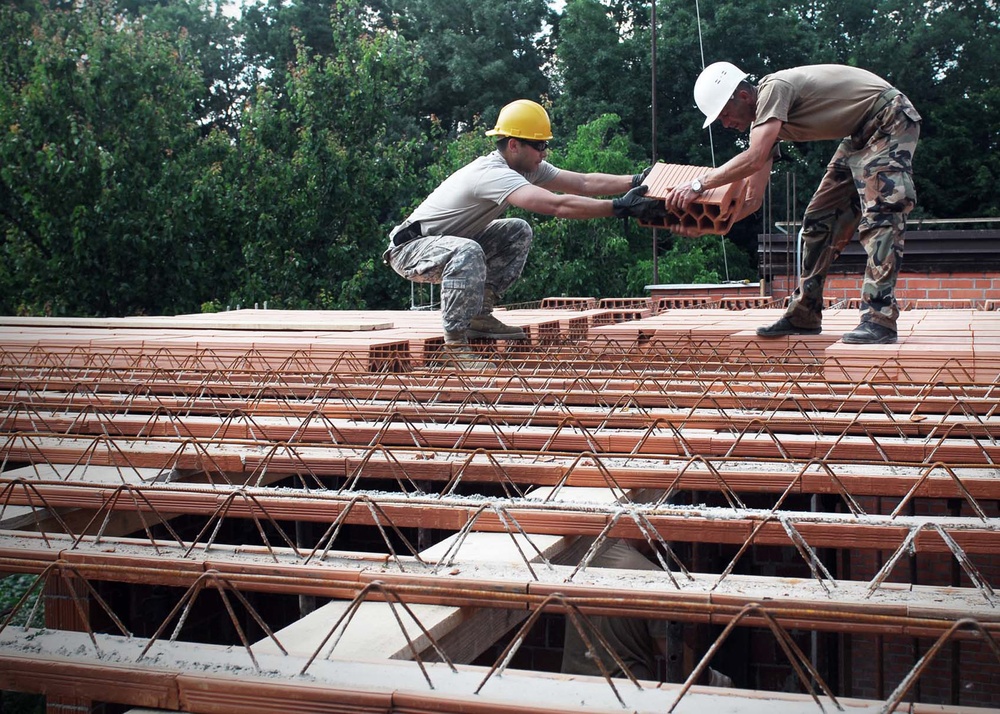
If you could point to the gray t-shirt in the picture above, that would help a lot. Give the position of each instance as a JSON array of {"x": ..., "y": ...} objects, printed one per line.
[
  {"x": 467, "y": 201},
  {"x": 816, "y": 102}
]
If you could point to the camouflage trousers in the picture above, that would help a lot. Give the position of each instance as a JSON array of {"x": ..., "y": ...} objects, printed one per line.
[
  {"x": 473, "y": 272},
  {"x": 868, "y": 188}
]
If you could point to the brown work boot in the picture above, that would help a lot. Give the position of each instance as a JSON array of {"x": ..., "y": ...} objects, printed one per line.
[
  {"x": 489, "y": 326},
  {"x": 458, "y": 354}
]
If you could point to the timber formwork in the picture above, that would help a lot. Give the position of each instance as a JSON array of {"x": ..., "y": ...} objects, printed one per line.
[{"x": 838, "y": 502}]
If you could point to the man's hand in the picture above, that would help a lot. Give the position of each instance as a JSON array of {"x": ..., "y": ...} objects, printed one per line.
[
  {"x": 680, "y": 197},
  {"x": 637, "y": 179},
  {"x": 632, "y": 204}
]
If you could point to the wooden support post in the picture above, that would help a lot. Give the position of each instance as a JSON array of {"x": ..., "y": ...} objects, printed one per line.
[{"x": 62, "y": 613}]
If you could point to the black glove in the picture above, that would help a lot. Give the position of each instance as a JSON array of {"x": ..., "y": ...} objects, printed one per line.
[
  {"x": 637, "y": 179},
  {"x": 632, "y": 204}
]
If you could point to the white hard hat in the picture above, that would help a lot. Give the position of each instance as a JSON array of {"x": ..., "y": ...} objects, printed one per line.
[{"x": 714, "y": 87}]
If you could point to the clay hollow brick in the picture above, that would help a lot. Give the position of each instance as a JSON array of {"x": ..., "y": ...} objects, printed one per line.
[{"x": 714, "y": 211}]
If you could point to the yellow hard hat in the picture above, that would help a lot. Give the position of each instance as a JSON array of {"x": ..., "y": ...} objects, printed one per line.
[{"x": 523, "y": 119}]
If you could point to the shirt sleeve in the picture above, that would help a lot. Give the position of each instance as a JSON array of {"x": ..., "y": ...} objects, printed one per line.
[
  {"x": 543, "y": 174},
  {"x": 774, "y": 98}
]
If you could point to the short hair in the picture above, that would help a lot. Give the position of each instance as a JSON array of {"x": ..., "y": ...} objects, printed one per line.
[{"x": 502, "y": 143}]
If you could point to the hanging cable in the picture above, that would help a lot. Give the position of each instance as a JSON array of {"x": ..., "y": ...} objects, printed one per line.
[
  {"x": 711, "y": 141},
  {"x": 701, "y": 49},
  {"x": 652, "y": 41}
]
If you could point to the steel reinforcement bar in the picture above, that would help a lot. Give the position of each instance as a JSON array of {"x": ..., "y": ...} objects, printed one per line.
[{"x": 668, "y": 523}]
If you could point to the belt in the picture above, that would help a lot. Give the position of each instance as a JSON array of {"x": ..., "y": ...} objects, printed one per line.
[
  {"x": 883, "y": 100},
  {"x": 409, "y": 231}
]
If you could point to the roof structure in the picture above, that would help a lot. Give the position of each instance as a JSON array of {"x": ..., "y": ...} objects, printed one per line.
[{"x": 266, "y": 510}]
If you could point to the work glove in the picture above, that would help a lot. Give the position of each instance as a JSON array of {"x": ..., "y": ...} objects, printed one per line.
[
  {"x": 633, "y": 205},
  {"x": 637, "y": 179}
]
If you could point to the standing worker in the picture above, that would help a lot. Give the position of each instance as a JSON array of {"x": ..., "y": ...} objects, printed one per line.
[
  {"x": 457, "y": 238},
  {"x": 868, "y": 185}
]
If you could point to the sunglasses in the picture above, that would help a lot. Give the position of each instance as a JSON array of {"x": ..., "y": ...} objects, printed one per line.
[{"x": 538, "y": 146}]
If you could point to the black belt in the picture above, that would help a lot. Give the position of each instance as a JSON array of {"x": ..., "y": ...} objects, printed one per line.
[
  {"x": 407, "y": 233},
  {"x": 883, "y": 100}
]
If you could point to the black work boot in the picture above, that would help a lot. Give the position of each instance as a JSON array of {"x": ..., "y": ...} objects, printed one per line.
[
  {"x": 784, "y": 327},
  {"x": 870, "y": 333}
]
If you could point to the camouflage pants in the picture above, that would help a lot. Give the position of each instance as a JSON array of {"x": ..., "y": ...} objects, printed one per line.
[
  {"x": 468, "y": 269},
  {"x": 868, "y": 187}
]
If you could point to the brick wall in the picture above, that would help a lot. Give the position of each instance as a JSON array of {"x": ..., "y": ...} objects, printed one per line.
[
  {"x": 972, "y": 289},
  {"x": 957, "y": 674}
]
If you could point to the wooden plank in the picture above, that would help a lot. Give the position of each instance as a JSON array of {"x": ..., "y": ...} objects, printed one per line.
[
  {"x": 276, "y": 321},
  {"x": 373, "y": 631}
]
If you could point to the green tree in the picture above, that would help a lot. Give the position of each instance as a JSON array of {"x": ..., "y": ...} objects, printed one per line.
[
  {"x": 479, "y": 54},
  {"x": 201, "y": 27},
  {"x": 274, "y": 30},
  {"x": 318, "y": 180},
  {"x": 576, "y": 257},
  {"x": 603, "y": 66},
  {"x": 708, "y": 259},
  {"x": 105, "y": 181}
]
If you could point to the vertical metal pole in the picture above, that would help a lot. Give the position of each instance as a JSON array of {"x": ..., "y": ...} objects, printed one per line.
[
  {"x": 955, "y": 508},
  {"x": 879, "y": 641},
  {"x": 674, "y": 672},
  {"x": 303, "y": 541},
  {"x": 767, "y": 271},
  {"x": 652, "y": 24},
  {"x": 915, "y": 580},
  {"x": 845, "y": 658}
]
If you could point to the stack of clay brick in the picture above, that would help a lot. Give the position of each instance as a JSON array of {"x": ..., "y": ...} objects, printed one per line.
[{"x": 714, "y": 211}]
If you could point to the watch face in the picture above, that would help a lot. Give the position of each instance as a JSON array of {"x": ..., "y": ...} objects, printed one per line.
[{"x": 696, "y": 186}]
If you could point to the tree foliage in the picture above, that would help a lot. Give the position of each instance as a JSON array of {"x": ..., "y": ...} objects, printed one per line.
[
  {"x": 275, "y": 30},
  {"x": 604, "y": 66},
  {"x": 101, "y": 167},
  {"x": 478, "y": 54},
  {"x": 582, "y": 257},
  {"x": 160, "y": 155},
  {"x": 312, "y": 177}
]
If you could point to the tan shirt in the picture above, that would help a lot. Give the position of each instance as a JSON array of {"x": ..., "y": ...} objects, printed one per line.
[{"x": 820, "y": 101}]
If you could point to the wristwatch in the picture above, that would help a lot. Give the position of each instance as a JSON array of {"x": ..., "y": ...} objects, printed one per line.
[{"x": 697, "y": 186}]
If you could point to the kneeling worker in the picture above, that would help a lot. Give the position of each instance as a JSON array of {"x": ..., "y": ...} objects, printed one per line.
[{"x": 457, "y": 238}]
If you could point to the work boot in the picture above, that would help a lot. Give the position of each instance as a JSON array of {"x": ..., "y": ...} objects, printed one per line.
[
  {"x": 784, "y": 327},
  {"x": 486, "y": 325},
  {"x": 870, "y": 333},
  {"x": 457, "y": 354},
  {"x": 489, "y": 326}
]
